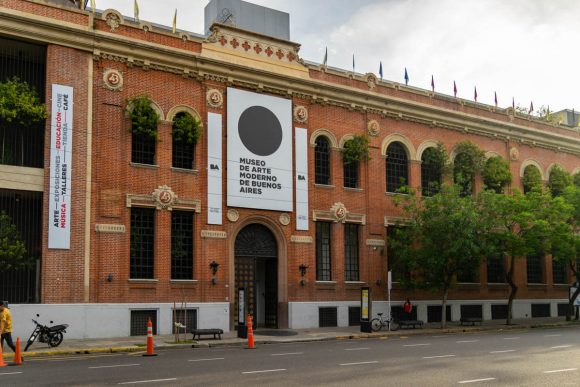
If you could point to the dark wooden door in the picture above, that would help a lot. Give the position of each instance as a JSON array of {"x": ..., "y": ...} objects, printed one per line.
[{"x": 271, "y": 294}]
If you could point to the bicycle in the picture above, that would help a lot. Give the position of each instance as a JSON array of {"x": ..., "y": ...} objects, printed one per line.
[{"x": 379, "y": 322}]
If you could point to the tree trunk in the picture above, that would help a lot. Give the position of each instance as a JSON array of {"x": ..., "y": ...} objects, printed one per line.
[
  {"x": 444, "y": 308},
  {"x": 513, "y": 289},
  {"x": 571, "y": 300}
]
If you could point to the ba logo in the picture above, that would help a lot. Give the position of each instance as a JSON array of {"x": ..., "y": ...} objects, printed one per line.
[
  {"x": 301, "y": 177},
  {"x": 214, "y": 167}
]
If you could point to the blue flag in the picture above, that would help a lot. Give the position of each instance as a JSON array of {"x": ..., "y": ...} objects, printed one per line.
[
  {"x": 381, "y": 70},
  {"x": 406, "y": 77}
]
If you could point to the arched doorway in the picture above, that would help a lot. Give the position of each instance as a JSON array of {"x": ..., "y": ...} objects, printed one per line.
[{"x": 256, "y": 268}]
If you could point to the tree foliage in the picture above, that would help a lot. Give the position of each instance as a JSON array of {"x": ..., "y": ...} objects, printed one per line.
[
  {"x": 469, "y": 161},
  {"x": 186, "y": 128},
  {"x": 19, "y": 104},
  {"x": 496, "y": 174},
  {"x": 532, "y": 180},
  {"x": 558, "y": 181},
  {"x": 144, "y": 119},
  {"x": 12, "y": 249},
  {"x": 356, "y": 149}
]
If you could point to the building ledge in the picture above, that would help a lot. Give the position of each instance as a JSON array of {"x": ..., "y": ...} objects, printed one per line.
[
  {"x": 145, "y": 166},
  {"x": 185, "y": 170}
]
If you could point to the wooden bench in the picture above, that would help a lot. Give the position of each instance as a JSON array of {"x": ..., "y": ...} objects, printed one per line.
[
  {"x": 410, "y": 323},
  {"x": 217, "y": 333},
  {"x": 470, "y": 320}
]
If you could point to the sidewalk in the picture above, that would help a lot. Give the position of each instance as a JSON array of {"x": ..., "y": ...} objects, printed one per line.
[{"x": 268, "y": 336}]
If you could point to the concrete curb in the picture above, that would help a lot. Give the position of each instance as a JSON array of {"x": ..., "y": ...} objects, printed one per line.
[{"x": 355, "y": 336}]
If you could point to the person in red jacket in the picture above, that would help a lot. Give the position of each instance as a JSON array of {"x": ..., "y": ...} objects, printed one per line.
[{"x": 407, "y": 308}]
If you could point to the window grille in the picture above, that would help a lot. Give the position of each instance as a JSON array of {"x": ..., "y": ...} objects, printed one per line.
[
  {"x": 183, "y": 154},
  {"x": 188, "y": 319},
  {"x": 353, "y": 316},
  {"x": 182, "y": 245},
  {"x": 540, "y": 310},
  {"x": 139, "y": 320},
  {"x": 559, "y": 272},
  {"x": 327, "y": 317},
  {"x": 397, "y": 167},
  {"x": 534, "y": 269},
  {"x": 499, "y": 312},
  {"x": 323, "y": 261},
  {"x": 142, "y": 242},
  {"x": 495, "y": 271},
  {"x": 322, "y": 161},
  {"x": 143, "y": 149},
  {"x": 351, "y": 260},
  {"x": 430, "y": 174},
  {"x": 351, "y": 174}
]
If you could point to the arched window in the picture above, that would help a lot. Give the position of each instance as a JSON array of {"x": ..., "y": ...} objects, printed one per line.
[
  {"x": 532, "y": 178},
  {"x": 430, "y": 172},
  {"x": 350, "y": 171},
  {"x": 322, "y": 161},
  {"x": 397, "y": 167},
  {"x": 185, "y": 133}
]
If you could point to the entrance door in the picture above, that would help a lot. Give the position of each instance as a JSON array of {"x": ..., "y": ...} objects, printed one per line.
[{"x": 256, "y": 267}]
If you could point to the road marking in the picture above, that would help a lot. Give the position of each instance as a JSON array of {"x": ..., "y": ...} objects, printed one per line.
[
  {"x": 114, "y": 366},
  {"x": 355, "y": 349},
  {"x": 215, "y": 358},
  {"x": 475, "y": 380},
  {"x": 511, "y": 338},
  {"x": 150, "y": 381},
  {"x": 553, "y": 335},
  {"x": 286, "y": 354},
  {"x": 563, "y": 370},
  {"x": 504, "y": 351},
  {"x": 71, "y": 357},
  {"x": 362, "y": 362},
  {"x": 561, "y": 346},
  {"x": 467, "y": 341},
  {"x": 415, "y": 345},
  {"x": 436, "y": 357},
  {"x": 436, "y": 337},
  {"x": 10, "y": 373},
  {"x": 258, "y": 372}
]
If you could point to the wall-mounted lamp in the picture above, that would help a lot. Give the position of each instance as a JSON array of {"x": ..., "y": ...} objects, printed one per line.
[
  {"x": 303, "y": 268},
  {"x": 214, "y": 267},
  {"x": 110, "y": 278}
]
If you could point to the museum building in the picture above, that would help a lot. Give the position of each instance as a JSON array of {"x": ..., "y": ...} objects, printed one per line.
[{"x": 125, "y": 227}]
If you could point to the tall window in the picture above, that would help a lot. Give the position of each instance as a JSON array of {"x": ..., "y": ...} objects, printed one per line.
[
  {"x": 142, "y": 242},
  {"x": 351, "y": 174},
  {"x": 465, "y": 181},
  {"x": 430, "y": 173},
  {"x": 322, "y": 161},
  {"x": 143, "y": 149},
  {"x": 183, "y": 150},
  {"x": 534, "y": 269},
  {"x": 495, "y": 270},
  {"x": 182, "y": 245},
  {"x": 532, "y": 178},
  {"x": 397, "y": 167},
  {"x": 351, "y": 268},
  {"x": 559, "y": 272},
  {"x": 323, "y": 262}
]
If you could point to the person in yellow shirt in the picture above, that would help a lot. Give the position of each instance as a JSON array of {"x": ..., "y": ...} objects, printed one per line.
[{"x": 6, "y": 326}]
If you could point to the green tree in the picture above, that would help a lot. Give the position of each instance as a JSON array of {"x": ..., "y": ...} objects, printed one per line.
[
  {"x": 532, "y": 180},
  {"x": 576, "y": 179},
  {"x": 12, "y": 250},
  {"x": 435, "y": 162},
  {"x": 558, "y": 181},
  {"x": 186, "y": 128},
  {"x": 469, "y": 161},
  {"x": 356, "y": 149},
  {"x": 496, "y": 174},
  {"x": 448, "y": 235},
  {"x": 19, "y": 104},
  {"x": 566, "y": 240},
  {"x": 144, "y": 119}
]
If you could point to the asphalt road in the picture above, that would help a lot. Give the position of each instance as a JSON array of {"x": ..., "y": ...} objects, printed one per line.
[{"x": 537, "y": 357}]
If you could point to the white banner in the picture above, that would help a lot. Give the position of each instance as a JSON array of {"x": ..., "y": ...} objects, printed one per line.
[
  {"x": 59, "y": 203},
  {"x": 214, "y": 172},
  {"x": 301, "y": 139},
  {"x": 259, "y": 151}
]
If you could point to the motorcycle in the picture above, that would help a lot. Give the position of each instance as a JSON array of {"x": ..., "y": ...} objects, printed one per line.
[{"x": 52, "y": 336}]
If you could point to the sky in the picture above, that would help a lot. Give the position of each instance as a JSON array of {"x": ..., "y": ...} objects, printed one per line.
[{"x": 522, "y": 49}]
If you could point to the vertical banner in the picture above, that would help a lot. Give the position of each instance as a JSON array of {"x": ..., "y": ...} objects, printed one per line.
[
  {"x": 365, "y": 309},
  {"x": 301, "y": 139},
  {"x": 59, "y": 203},
  {"x": 214, "y": 165},
  {"x": 259, "y": 151}
]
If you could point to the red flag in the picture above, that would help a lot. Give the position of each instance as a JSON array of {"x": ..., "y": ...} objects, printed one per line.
[
  {"x": 432, "y": 83},
  {"x": 454, "y": 89},
  {"x": 475, "y": 93},
  {"x": 531, "y": 107},
  {"x": 495, "y": 94}
]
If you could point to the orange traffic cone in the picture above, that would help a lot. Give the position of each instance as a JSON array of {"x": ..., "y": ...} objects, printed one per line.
[
  {"x": 150, "y": 340},
  {"x": 2, "y": 364},
  {"x": 17, "y": 354},
  {"x": 250, "y": 333}
]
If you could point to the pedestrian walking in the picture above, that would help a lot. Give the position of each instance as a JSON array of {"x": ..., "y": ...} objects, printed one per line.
[
  {"x": 407, "y": 308},
  {"x": 6, "y": 327}
]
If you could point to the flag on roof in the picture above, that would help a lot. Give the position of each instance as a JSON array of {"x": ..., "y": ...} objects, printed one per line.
[
  {"x": 432, "y": 83},
  {"x": 175, "y": 21},
  {"x": 381, "y": 69},
  {"x": 454, "y": 89},
  {"x": 406, "y": 77},
  {"x": 475, "y": 93},
  {"x": 495, "y": 97},
  {"x": 325, "y": 57},
  {"x": 513, "y": 103},
  {"x": 136, "y": 10},
  {"x": 353, "y": 63},
  {"x": 531, "y": 107}
]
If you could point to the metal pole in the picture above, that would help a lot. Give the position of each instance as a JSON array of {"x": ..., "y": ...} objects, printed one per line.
[{"x": 389, "y": 285}]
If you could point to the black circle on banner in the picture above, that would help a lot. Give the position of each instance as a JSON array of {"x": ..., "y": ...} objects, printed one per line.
[{"x": 260, "y": 130}]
